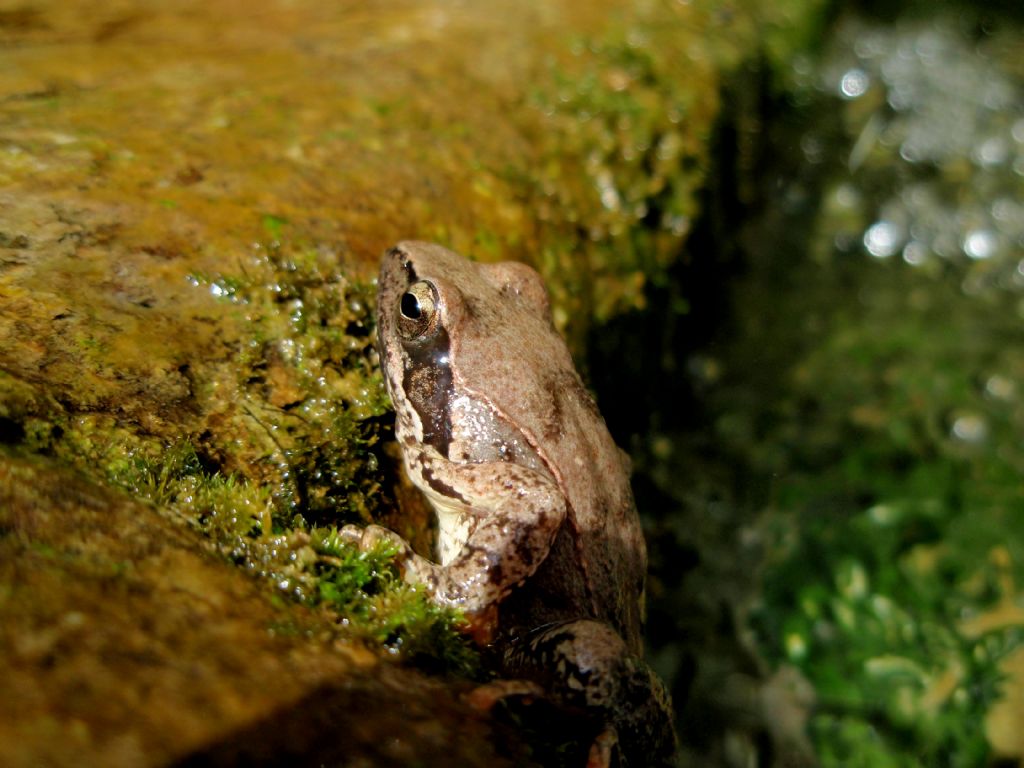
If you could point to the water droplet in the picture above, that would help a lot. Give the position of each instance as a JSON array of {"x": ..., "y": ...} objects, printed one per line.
[
  {"x": 813, "y": 148},
  {"x": 869, "y": 45},
  {"x": 609, "y": 195},
  {"x": 883, "y": 239},
  {"x": 847, "y": 195},
  {"x": 915, "y": 253},
  {"x": 911, "y": 152},
  {"x": 980, "y": 243},
  {"x": 1008, "y": 211},
  {"x": 1000, "y": 387},
  {"x": 1018, "y": 131},
  {"x": 970, "y": 428},
  {"x": 991, "y": 152},
  {"x": 802, "y": 65},
  {"x": 997, "y": 95},
  {"x": 929, "y": 46},
  {"x": 945, "y": 244},
  {"x": 854, "y": 83}
]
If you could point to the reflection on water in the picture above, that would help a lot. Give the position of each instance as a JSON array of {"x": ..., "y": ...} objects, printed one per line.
[{"x": 939, "y": 128}]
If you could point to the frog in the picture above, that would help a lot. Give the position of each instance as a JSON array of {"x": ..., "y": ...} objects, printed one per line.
[{"x": 539, "y": 543}]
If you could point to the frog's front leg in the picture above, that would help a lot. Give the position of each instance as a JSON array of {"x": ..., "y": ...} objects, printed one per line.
[{"x": 497, "y": 521}]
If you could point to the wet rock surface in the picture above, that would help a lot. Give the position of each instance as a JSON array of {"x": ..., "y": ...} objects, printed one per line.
[
  {"x": 125, "y": 641},
  {"x": 193, "y": 203}
]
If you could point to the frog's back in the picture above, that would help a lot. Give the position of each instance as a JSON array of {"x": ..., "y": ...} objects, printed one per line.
[
  {"x": 598, "y": 562},
  {"x": 511, "y": 357},
  {"x": 603, "y": 524}
]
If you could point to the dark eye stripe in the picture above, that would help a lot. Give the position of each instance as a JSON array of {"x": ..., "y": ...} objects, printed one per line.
[{"x": 427, "y": 383}]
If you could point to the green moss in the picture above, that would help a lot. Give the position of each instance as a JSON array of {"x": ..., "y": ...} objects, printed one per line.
[
  {"x": 287, "y": 455},
  {"x": 904, "y": 530},
  {"x": 892, "y": 438},
  {"x": 624, "y": 147},
  {"x": 362, "y": 592},
  {"x": 367, "y": 590},
  {"x": 307, "y": 374}
]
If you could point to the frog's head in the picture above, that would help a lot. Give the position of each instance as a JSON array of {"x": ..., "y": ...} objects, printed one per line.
[{"x": 449, "y": 328}]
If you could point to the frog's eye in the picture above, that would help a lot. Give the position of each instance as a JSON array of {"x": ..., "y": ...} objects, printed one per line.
[{"x": 417, "y": 311}]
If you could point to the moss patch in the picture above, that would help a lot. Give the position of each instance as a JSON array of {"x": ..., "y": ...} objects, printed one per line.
[{"x": 283, "y": 460}]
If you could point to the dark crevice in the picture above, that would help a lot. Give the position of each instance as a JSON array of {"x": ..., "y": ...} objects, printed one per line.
[{"x": 11, "y": 432}]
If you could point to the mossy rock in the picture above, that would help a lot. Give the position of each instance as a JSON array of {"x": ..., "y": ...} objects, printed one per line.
[{"x": 194, "y": 200}]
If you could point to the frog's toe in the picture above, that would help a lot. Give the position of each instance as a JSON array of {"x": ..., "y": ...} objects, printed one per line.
[
  {"x": 603, "y": 748},
  {"x": 375, "y": 535},
  {"x": 372, "y": 536},
  {"x": 351, "y": 534},
  {"x": 483, "y": 698}
]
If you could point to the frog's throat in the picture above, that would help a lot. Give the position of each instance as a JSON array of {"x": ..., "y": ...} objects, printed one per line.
[{"x": 454, "y": 524}]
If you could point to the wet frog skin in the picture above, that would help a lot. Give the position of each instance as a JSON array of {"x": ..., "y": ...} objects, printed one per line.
[{"x": 539, "y": 539}]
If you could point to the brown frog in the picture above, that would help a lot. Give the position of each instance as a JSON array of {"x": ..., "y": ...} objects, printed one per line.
[{"x": 539, "y": 539}]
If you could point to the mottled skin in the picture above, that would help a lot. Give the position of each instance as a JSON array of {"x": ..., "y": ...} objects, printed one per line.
[{"x": 539, "y": 539}]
